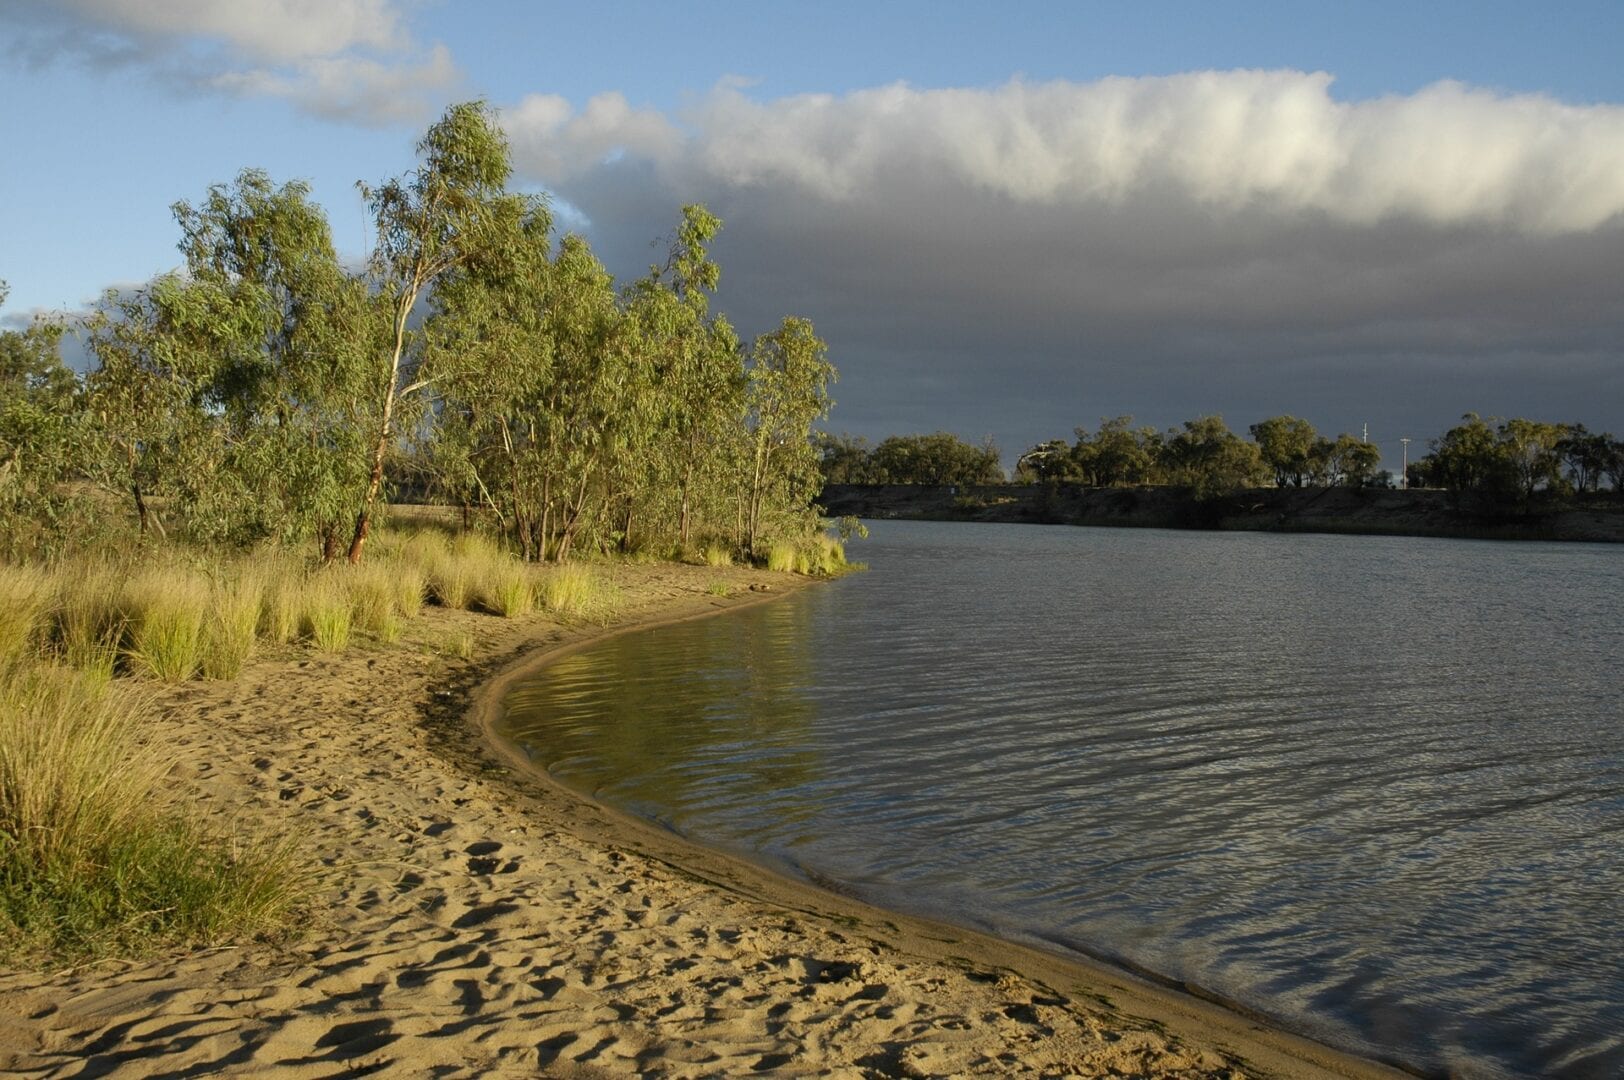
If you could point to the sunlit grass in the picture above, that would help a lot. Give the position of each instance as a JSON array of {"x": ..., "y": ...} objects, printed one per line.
[
  {"x": 166, "y": 607},
  {"x": 577, "y": 590},
  {"x": 92, "y": 858},
  {"x": 25, "y": 599},
  {"x": 327, "y": 617}
]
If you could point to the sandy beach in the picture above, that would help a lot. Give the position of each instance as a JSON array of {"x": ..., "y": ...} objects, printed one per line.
[{"x": 473, "y": 918}]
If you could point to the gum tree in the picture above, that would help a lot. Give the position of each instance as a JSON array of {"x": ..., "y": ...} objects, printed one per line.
[{"x": 428, "y": 222}]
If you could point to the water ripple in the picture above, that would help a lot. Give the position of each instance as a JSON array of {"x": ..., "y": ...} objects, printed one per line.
[{"x": 1371, "y": 787}]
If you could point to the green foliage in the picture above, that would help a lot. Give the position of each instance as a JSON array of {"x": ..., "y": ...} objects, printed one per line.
[
  {"x": 41, "y": 436},
  {"x": 1210, "y": 459},
  {"x": 166, "y": 608},
  {"x": 938, "y": 459}
]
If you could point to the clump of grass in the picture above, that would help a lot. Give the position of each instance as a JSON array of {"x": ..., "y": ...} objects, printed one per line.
[
  {"x": 576, "y": 590},
  {"x": 509, "y": 590},
  {"x": 91, "y": 860},
  {"x": 25, "y": 597},
  {"x": 281, "y": 604},
  {"x": 719, "y": 588},
  {"x": 166, "y": 607},
  {"x": 327, "y": 616},
  {"x": 459, "y": 643},
  {"x": 781, "y": 557},
  {"x": 90, "y": 621},
  {"x": 373, "y": 597},
  {"x": 233, "y": 622},
  {"x": 718, "y": 554}
]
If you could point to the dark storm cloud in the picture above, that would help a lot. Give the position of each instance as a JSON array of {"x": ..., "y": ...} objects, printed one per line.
[{"x": 1019, "y": 260}]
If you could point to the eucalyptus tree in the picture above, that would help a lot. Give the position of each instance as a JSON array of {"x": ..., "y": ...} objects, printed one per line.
[
  {"x": 39, "y": 428},
  {"x": 1210, "y": 459},
  {"x": 1287, "y": 446},
  {"x": 428, "y": 222},
  {"x": 1585, "y": 456},
  {"x": 786, "y": 393},
  {"x": 288, "y": 331},
  {"x": 695, "y": 368}
]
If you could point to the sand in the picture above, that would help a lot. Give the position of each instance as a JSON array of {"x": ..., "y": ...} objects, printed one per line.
[{"x": 472, "y": 918}]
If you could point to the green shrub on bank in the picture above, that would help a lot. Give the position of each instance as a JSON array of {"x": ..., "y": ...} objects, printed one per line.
[{"x": 91, "y": 859}]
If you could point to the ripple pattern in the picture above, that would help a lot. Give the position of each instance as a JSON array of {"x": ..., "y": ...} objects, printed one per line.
[{"x": 1370, "y": 787}]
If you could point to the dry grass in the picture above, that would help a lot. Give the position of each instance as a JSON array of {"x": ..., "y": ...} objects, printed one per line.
[
  {"x": 575, "y": 590},
  {"x": 92, "y": 858},
  {"x": 165, "y": 607}
]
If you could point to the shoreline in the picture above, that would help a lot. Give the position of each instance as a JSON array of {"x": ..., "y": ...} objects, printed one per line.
[{"x": 473, "y": 916}]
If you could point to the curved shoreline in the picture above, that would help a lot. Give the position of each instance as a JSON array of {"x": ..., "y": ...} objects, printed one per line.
[
  {"x": 1187, "y": 1010},
  {"x": 471, "y": 917}
]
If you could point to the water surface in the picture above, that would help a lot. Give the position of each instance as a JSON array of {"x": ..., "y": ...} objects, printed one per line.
[{"x": 1370, "y": 787}]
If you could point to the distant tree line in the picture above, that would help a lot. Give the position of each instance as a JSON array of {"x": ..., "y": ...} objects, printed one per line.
[
  {"x": 1508, "y": 459},
  {"x": 1519, "y": 458},
  {"x": 938, "y": 458},
  {"x": 268, "y": 393}
]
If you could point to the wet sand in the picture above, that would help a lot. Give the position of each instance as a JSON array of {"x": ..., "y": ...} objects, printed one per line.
[{"x": 470, "y": 917}]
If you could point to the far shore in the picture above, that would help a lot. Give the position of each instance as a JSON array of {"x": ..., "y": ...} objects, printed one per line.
[
  {"x": 1355, "y": 511},
  {"x": 474, "y": 917}
]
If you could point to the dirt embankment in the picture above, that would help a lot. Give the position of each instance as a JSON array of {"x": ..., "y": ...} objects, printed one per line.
[{"x": 1328, "y": 510}]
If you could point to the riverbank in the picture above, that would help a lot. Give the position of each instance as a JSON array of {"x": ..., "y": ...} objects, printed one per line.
[
  {"x": 474, "y": 918},
  {"x": 1367, "y": 511}
]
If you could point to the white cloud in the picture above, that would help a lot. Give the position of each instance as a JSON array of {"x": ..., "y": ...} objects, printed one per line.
[
  {"x": 278, "y": 31},
  {"x": 1031, "y": 256},
  {"x": 340, "y": 59},
  {"x": 1447, "y": 155},
  {"x": 352, "y": 88}
]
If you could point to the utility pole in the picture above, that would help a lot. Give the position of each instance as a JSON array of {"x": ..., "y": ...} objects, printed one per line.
[
  {"x": 1366, "y": 437},
  {"x": 1405, "y": 475}
]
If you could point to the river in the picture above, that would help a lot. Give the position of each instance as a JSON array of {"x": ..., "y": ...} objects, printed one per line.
[{"x": 1370, "y": 787}]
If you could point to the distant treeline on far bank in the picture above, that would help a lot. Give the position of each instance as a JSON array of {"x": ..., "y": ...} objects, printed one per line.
[{"x": 1500, "y": 460}]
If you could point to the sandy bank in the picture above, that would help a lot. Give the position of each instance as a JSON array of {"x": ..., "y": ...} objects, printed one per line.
[{"x": 472, "y": 918}]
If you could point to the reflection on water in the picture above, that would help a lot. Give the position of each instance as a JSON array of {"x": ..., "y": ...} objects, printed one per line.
[{"x": 1372, "y": 787}]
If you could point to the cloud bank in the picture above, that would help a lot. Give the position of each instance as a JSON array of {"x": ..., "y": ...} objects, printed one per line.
[
  {"x": 1021, "y": 258},
  {"x": 350, "y": 60}
]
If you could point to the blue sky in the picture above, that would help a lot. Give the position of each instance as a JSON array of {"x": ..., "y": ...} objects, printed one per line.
[{"x": 975, "y": 258}]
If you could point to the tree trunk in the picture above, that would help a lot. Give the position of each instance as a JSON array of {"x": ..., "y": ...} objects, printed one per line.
[{"x": 140, "y": 507}]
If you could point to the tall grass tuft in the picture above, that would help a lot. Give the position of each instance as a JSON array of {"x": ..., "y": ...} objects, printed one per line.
[
  {"x": 25, "y": 600},
  {"x": 326, "y": 613},
  {"x": 90, "y": 620},
  {"x": 166, "y": 608},
  {"x": 281, "y": 605},
  {"x": 373, "y": 597},
  {"x": 576, "y": 590},
  {"x": 509, "y": 590},
  {"x": 233, "y": 621},
  {"x": 91, "y": 860},
  {"x": 781, "y": 557},
  {"x": 718, "y": 554}
]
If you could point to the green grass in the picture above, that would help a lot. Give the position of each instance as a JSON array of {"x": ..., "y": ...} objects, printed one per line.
[
  {"x": 781, "y": 557},
  {"x": 327, "y": 616},
  {"x": 509, "y": 589},
  {"x": 231, "y": 629},
  {"x": 92, "y": 859},
  {"x": 166, "y": 608},
  {"x": 718, "y": 554},
  {"x": 578, "y": 591}
]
